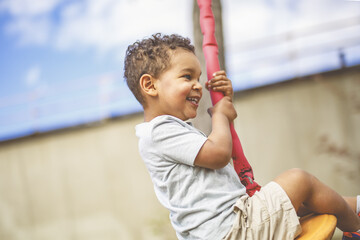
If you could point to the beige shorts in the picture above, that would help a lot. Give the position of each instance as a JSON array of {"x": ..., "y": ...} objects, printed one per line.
[{"x": 268, "y": 214}]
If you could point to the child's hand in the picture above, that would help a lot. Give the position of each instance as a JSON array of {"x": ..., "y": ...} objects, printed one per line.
[
  {"x": 220, "y": 83},
  {"x": 224, "y": 107}
]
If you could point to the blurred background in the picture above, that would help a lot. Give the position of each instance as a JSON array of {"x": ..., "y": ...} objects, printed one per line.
[{"x": 69, "y": 163}]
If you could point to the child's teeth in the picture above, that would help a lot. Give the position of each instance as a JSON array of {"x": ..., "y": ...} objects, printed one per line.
[{"x": 192, "y": 100}]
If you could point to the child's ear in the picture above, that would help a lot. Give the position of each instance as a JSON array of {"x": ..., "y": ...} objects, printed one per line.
[{"x": 147, "y": 84}]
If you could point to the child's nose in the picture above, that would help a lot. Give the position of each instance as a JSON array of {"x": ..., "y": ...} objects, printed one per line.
[{"x": 197, "y": 86}]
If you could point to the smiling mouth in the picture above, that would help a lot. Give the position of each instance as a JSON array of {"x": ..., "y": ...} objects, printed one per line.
[{"x": 194, "y": 100}]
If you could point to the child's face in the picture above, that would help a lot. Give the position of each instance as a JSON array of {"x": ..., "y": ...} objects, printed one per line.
[{"x": 179, "y": 90}]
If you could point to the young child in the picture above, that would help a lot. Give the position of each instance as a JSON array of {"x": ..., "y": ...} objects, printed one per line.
[{"x": 191, "y": 172}]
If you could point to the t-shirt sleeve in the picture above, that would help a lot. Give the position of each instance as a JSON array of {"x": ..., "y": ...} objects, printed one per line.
[{"x": 176, "y": 142}]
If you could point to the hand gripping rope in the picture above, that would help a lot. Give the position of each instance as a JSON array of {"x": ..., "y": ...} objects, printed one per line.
[{"x": 210, "y": 49}]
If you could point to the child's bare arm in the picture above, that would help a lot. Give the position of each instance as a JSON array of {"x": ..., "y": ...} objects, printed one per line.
[{"x": 216, "y": 151}]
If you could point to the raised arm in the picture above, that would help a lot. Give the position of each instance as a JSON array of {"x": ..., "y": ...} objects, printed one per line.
[{"x": 216, "y": 152}]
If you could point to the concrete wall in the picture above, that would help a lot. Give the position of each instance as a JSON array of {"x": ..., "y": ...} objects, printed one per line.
[
  {"x": 310, "y": 123},
  {"x": 81, "y": 184},
  {"x": 90, "y": 183}
]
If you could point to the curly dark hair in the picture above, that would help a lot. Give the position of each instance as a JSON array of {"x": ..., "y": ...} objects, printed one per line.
[{"x": 151, "y": 56}]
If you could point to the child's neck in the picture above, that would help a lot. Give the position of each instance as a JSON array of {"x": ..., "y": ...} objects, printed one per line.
[{"x": 150, "y": 115}]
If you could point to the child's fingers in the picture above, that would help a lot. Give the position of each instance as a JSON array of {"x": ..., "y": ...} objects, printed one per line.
[
  {"x": 207, "y": 85},
  {"x": 219, "y": 80},
  {"x": 218, "y": 76},
  {"x": 219, "y": 83},
  {"x": 221, "y": 72},
  {"x": 221, "y": 89},
  {"x": 214, "y": 84}
]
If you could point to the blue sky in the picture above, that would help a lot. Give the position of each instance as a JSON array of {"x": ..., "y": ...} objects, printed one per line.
[
  {"x": 61, "y": 61},
  {"x": 60, "y": 40}
]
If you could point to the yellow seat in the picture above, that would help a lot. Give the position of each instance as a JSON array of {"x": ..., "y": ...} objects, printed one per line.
[{"x": 319, "y": 227}]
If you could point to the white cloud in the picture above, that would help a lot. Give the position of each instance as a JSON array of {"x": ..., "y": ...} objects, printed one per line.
[
  {"x": 104, "y": 25},
  {"x": 257, "y": 19},
  {"x": 31, "y": 31},
  {"x": 32, "y": 76},
  {"x": 30, "y": 20},
  {"x": 110, "y": 23}
]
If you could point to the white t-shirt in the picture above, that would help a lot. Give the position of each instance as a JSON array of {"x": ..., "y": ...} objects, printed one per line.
[{"x": 200, "y": 200}]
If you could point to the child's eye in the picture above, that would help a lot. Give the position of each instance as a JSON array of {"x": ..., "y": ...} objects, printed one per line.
[{"x": 187, "y": 77}]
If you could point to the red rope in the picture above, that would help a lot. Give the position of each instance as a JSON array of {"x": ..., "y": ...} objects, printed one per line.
[{"x": 210, "y": 48}]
